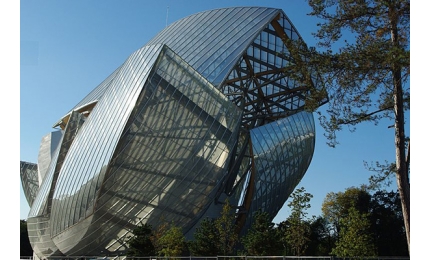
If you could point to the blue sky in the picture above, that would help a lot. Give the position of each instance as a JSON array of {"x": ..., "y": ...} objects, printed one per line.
[{"x": 69, "y": 47}]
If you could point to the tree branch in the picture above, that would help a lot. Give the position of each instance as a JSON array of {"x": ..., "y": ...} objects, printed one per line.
[{"x": 365, "y": 116}]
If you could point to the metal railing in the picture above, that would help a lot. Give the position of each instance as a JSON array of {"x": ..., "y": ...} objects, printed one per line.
[{"x": 218, "y": 258}]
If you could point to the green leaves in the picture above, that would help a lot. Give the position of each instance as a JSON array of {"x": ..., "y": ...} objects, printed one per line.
[
  {"x": 216, "y": 236},
  {"x": 172, "y": 242},
  {"x": 365, "y": 69},
  {"x": 140, "y": 243},
  {"x": 263, "y": 238},
  {"x": 355, "y": 239},
  {"x": 204, "y": 239},
  {"x": 365, "y": 47},
  {"x": 226, "y": 229},
  {"x": 298, "y": 230}
]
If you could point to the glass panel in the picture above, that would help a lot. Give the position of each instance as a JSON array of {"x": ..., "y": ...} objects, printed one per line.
[{"x": 282, "y": 153}]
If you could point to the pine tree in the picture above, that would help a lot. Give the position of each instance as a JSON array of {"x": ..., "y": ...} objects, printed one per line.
[{"x": 367, "y": 77}]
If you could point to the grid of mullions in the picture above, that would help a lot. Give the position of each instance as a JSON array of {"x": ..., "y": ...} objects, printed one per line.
[
  {"x": 176, "y": 158},
  {"x": 40, "y": 236},
  {"x": 47, "y": 146},
  {"x": 172, "y": 154},
  {"x": 270, "y": 93},
  {"x": 40, "y": 212},
  {"x": 282, "y": 153},
  {"x": 30, "y": 183},
  {"x": 98, "y": 92},
  {"x": 212, "y": 42},
  {"x": 95, "y": 142}
]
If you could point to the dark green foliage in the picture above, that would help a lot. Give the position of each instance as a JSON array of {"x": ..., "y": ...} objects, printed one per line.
[
  {"x": 282, "y": 230},
  {"x": 366, "y": 43},
  {"x": 157, "y": 234},
  {"x": 25, "y": 248},
  {"x": 387, "y": 224},
  {"x": 205, "y": 239},
  {"x": 355, "y": 223},
  {"x": 321, "y": 238},
  {"x": 376, "y": 217},
  {"x": 216, "y": 236},
  {"x": 140, "y": 243},
  {"x": 263, "y": 238}
]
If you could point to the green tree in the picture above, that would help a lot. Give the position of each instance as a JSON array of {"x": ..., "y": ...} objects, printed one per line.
[
  {"x": 263, "y": 238},
  {"x": 382, "y": 210},
  {"x": 140, "y": 243},
  {"x": 367, "y": 78},
  {"x": 206, "y": 238},
  {"x": 336, "y": 205},
  {"x": 355, "y": 238},
  {"x": 226, "y": 228},
  {"x": 298, "y": 230},
  {"x": 387, "y": 224},
  {"x": 157, "y": 234},
  {"x": 321, "y": 238},
  {"x": 25, "y": 248},
  {"x": 172, "y": 242},
  {"x": 282, "y": 229}
]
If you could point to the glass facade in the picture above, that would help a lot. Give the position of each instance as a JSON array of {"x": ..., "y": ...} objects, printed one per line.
[
  {"x": 203, "y": 112},
  {"x": 29, "y": 180}
]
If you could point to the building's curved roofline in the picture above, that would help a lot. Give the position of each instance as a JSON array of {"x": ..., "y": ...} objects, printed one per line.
[
  {"x": 178, "y": 48},
  {"x": 212, "y": 42},
  {"x": 224, "y": 8}
]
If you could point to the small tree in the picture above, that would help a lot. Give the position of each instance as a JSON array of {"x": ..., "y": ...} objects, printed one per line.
[
  {"x": 263, "y": 238},
  {"x": 25, "y": 248},
  {"x": 172, "y": 242},
  {"x": 337, "y": 205},
  {"x": 226, "y": 229},
  {"x": 157, "y": 234},
  {"x": 298, "y": 229},
  {"x": 355, "y": 238},
  {"x": 321, "y": 238},
  {"x": 205, "y": 239},
  {"x": 140, "y": 243}
]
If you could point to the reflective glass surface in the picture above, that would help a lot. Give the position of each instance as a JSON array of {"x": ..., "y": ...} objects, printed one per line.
[
  {"x": 204, "y": 111},
  {"x": 94, "y": 144},
  {"x": 29, "y": 180},
  {"x": 205, "y": 41},
  {"x": 39, "y": 229},
  {"x": 47, "y": 148},
  {"x": 282, "y": 153}
]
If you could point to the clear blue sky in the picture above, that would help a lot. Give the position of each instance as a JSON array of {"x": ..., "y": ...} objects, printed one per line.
[{"x": 69, "y": 47}]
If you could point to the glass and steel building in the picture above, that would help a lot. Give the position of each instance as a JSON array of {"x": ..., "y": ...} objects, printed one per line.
[{"x": 206, "y": 111}]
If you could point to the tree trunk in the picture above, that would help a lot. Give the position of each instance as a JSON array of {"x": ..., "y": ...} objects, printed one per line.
[
  {"x": 401, "y": 168},
  {"x": 399, "y": 126}
]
